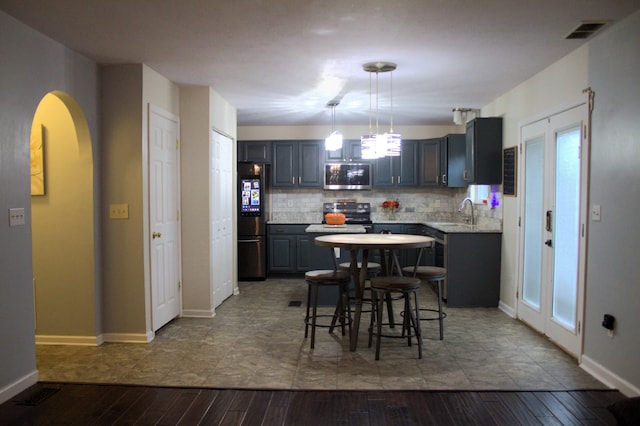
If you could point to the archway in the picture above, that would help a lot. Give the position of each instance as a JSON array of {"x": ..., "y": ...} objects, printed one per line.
[{"x": 65, "y": 294}]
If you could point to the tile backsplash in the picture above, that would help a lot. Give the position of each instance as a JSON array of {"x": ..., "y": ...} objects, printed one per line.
[{"x": 416, "y": 204}]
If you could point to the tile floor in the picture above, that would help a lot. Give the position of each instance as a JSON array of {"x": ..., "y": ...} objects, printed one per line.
[{"x": 257, "y": 341}]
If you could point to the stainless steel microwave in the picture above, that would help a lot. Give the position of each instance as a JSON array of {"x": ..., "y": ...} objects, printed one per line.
[{"x": 347, "y": 176}]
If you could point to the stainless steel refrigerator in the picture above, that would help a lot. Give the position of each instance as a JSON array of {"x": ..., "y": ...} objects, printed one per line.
[{"x": 252, "y": 216}]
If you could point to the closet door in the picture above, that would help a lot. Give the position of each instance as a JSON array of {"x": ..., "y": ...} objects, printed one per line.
[{"x": 221, "y": 211}]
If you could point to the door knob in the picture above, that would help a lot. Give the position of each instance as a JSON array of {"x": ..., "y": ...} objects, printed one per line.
[
  {"x": 156, "y": 235},
  {"x": 548, "y": 243}
]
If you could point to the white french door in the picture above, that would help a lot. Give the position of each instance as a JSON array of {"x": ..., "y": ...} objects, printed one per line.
[
  {"x": 163, "y": 216},
  {"x": 553, "y": 219}
]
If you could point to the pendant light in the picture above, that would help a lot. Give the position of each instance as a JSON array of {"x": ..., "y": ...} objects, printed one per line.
[
  {"x": 333, "y": 142},
  {"x": 369, "y": 144},
  {"x": 376, "y": 145}
]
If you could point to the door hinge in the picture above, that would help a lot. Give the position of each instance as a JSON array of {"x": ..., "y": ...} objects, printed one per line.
[
  {"x": 179, "y": 285},
  {"x": 519, "y": 221},
  {"x": 177, "y": 144},
  {"x": 579, "y": 327}
]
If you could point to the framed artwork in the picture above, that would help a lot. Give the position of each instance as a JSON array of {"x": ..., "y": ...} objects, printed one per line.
[
  {"x": 509, "y": 171},
  {"x": 37, "y": 161}
]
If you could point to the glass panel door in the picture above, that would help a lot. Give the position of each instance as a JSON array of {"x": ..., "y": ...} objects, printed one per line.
[{"x": 553, "y": 211}]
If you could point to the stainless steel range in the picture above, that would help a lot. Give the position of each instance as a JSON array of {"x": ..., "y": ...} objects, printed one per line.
[{"x": 355, "y": 213}]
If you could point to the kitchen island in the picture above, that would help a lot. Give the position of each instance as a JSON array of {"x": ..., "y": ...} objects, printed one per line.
[{"x": 471, "y": 254}]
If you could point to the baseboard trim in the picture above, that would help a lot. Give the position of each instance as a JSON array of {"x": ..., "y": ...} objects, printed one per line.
[
  {"x": 198, "y": 313},
  {"x": 44, "y": 339},
  {"x": 507, "y": 309},
  {"x": 18, "y": 386},
  {"x": 129, "y": 337},
  {"x": 608, "y": 377}
]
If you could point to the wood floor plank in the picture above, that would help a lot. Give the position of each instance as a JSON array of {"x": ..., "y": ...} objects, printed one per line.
[
  {"x": 184, "y": 399},
  {"x": 219, "y": 408},
  {"x": 518, "y": 408},
  {"x": 128, "y": 397},
  {"x": 433, "y": 410},
  {"x": 122, "y": 404},
  {"x": 256, "y": 411},
  {"x": 278, "y": 409},
  {"x": 534, "y": 405},
  {"x": 558, "y": 409},
  {"x": 199, "y": 407}
]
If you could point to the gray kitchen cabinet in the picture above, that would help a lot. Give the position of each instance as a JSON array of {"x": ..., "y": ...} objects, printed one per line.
[
  {"x": 483, "y": 160},
  {"x": 473, "y": 262},
  {"x": 430, "y": 161},
  {"x": 297, "y": 164},
  {"x": 406, "y": 257},
  {"x": 350, "y": 151},
  {"x": 397, "y": 171},
  {"x": 452, "y": 161},
  {"x": 256, "y": 151},
  {"x": 288, "y": 248}
]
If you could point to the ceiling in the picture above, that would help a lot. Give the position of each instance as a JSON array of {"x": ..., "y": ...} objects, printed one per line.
[{"x": 279, "y": 62}]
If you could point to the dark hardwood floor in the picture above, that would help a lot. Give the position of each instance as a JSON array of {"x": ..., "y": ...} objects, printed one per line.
[{"x": 52, "y": 403}]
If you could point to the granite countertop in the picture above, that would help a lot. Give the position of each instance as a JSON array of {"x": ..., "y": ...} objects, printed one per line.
[
  {"x": 455, "y": 227},
  {"x": 335, "y": 229},
  {"x": 448, "y": 227}
]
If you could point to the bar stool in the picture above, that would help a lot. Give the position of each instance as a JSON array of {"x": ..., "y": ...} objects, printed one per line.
[
  {"x": 436, "y": 276},
  {"x": 342, "y": 313},
  {"x": 383, "y": 287}
]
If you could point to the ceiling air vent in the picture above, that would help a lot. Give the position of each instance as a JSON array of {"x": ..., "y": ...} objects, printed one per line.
[{"x": 586, "y": 29}]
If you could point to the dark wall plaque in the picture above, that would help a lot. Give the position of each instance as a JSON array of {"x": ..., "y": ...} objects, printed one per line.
[{"x": 509, "y": 171}]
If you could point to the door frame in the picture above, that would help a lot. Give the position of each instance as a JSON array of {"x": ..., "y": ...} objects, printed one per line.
[{"x": 585, "y": 150}]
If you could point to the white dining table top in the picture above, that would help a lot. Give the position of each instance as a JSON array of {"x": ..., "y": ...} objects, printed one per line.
[{"x": 373, "y": 241}]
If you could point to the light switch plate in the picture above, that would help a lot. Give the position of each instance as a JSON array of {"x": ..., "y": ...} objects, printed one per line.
[
  {"x": 595, "y": 212},
  {"x": 16, "y": 217},
  {"x": 119, "y": 211}
]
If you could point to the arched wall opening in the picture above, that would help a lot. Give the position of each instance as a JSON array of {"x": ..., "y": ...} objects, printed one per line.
[{"x": 65, "y": 294}]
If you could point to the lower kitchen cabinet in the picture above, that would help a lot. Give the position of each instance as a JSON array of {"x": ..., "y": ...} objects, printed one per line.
[
  {"x": 406, "y": 257},
  {"x": 289, "y": 248},
  {"x": 473, "y": 262}
]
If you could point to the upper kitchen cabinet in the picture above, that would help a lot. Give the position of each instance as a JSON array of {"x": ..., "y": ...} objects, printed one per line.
[
  {"x": 397, "y": 171},
  {"x": 483, "y": 161},
  {"x": 350, "y": 151},
  {"x": 256, "y": 151},
  {"x": 452, "y": 161},
  {"x": 297, "y": 164},
  {"x": 430, "y": 161}
]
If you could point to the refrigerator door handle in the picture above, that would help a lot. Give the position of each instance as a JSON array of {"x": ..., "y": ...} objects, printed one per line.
[{"x": 248, "y": 241}]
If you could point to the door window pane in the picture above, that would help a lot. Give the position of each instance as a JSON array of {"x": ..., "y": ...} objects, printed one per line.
[
  {"x": 533, "y": 225},
  {"x": 566, "y": 226}
]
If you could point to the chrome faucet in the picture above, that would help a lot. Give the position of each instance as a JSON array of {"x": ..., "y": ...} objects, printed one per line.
[{"x": 472, "y": 219}]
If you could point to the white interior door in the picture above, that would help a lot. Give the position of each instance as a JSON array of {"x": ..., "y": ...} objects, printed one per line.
[
  {"x": 164, "y": 216},
  {"x": 553, "y": 216},
  {"x": 221, "y": 217}
]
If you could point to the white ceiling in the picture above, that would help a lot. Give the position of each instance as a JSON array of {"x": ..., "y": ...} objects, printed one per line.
[{"x": 280, "y": 61}]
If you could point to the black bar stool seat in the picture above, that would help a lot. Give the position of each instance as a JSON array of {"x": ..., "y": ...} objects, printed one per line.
[
  {"x": 381, "y": 289},
  {"x": 436, "y": 276},
  {"x": 342, "y": 312}
]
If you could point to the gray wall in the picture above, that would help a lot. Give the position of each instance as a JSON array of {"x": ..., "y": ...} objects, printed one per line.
[
  {"x": 31, "y": 65},
  {"x": 613, "y": 272}
]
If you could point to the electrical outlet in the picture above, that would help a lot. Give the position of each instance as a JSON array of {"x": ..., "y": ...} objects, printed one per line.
[
  {"x": 595, "y": 212},
  {"x": 119, "y": 211}
]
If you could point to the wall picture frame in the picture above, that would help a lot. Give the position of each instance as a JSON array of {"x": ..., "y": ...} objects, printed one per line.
[{"x": 36, "y": 149}]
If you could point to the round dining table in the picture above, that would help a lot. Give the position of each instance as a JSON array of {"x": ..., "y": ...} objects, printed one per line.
[{"x": 359, "y": 245}]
